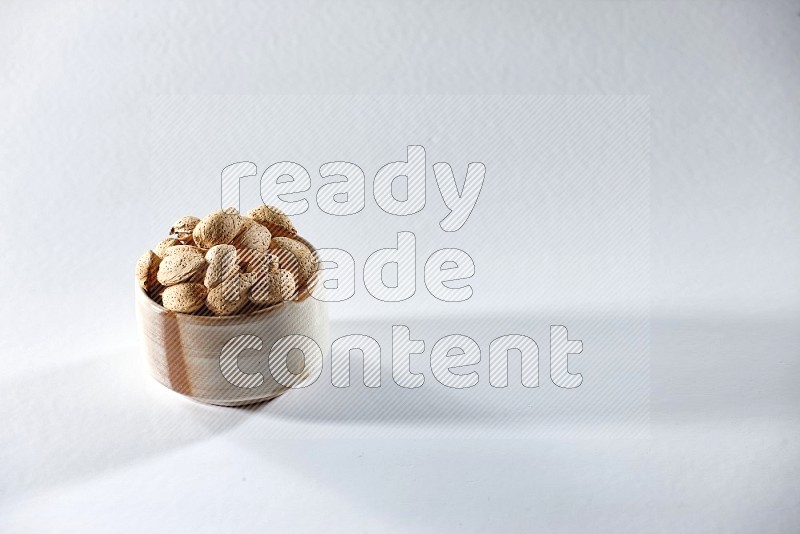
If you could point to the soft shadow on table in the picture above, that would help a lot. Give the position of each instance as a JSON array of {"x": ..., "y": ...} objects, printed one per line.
[
  {"x": 92, "y": 417},
  {"x": 721, "y": 394},
  {"x": 633, "y": 366},
  {"x": 614, "y": 362},
  {"x": 105, "y": 414}
]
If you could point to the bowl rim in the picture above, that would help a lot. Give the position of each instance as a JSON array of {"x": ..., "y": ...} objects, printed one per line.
[{"x": 298, "y": 298}]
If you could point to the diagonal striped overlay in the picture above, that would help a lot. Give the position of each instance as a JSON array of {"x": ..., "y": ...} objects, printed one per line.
[{"x": 559, "y": 237}]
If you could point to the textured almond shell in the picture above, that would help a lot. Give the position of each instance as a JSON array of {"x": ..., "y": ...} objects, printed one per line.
[
  {"x": 272, "y": 287},
  {"x": 296, "y": 257},
  {"x": 228, "y": 297},
  {"x": 276, "y": 221},
  {"x": 180, "y": 265},
  {"x": 164, "y": 245},
  {"x": 182, "y": 249},
  {"x": 222, "y": 263},
  {"x": 147, "y": 270},
  {"x": 258, "y": 261},
  {"x": 184, "y": 225},
  {"x": 184, "y": 298},
  {"x": 218, "y": 228},
  {"x": 252, "y": 236}
]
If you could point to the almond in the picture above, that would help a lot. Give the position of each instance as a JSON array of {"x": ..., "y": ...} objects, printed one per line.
[
  {"x": 164, "y": 245},
  {"x": 296, "y": 257},
  {"x": 276, "y": 221},
  {"x": 230, "y": 296},
  {"x": 222, "y": 264},
  {"x": 180, "y": 264},
  {"x": 218, "y": 228},
  {"x": 184, "y": 225},
  {"x": 147, "y": 270},
  {"x": 181, "y": 249},
  {"x": 248, "y": 279},
  {"x": 183, "y": 229},
  {"x": 252, "y": 236},
  {"x": 272, "y": 287},
  {"x": 184, "y": 298},
  {"x": 256, "y": 261}
]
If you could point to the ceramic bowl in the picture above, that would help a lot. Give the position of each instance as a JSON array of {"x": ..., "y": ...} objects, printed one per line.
[{"x": 226, "y": 360}]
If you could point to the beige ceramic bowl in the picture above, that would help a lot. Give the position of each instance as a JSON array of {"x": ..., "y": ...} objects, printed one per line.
[{"x": 185, "y": 352}]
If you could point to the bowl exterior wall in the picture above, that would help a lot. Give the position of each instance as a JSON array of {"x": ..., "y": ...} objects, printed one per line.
[{"x": 184, "y": 352}]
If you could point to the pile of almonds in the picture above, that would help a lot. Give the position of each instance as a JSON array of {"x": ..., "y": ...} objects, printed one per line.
[{"x": 227, "y": 263}]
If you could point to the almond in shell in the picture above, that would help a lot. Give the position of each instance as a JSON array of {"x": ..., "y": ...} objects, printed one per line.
[
  {"x": 180, "y": 264},
  {"x": 164, "y": 245},
  {"x": 184, "y": 225},
  {"x": 252, "y": 236},
  {"x": 218, "y": 228},
  {"x": 183, "y": 229},
  {"x": 147, "y": 270},
  {"x": 272, "y": 287},
  {"x": 296, "y": 257},
  {"x": 184, "y": 298},
  {"x": 230, "y": 296},
  {"x": 276, "y": 221},
  {"x": 222, "y": 263},
  {"x": 256, "y": 261}
]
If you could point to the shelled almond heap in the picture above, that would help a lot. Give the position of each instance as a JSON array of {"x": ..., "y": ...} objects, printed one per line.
[{"x": 227, "y": 263}]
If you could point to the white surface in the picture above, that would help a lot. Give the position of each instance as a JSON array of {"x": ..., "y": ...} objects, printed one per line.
[{"x": 89, "y": 444}]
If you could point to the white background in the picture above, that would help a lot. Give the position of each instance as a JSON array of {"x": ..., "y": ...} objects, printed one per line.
[{"x": 88, "y": 443}]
